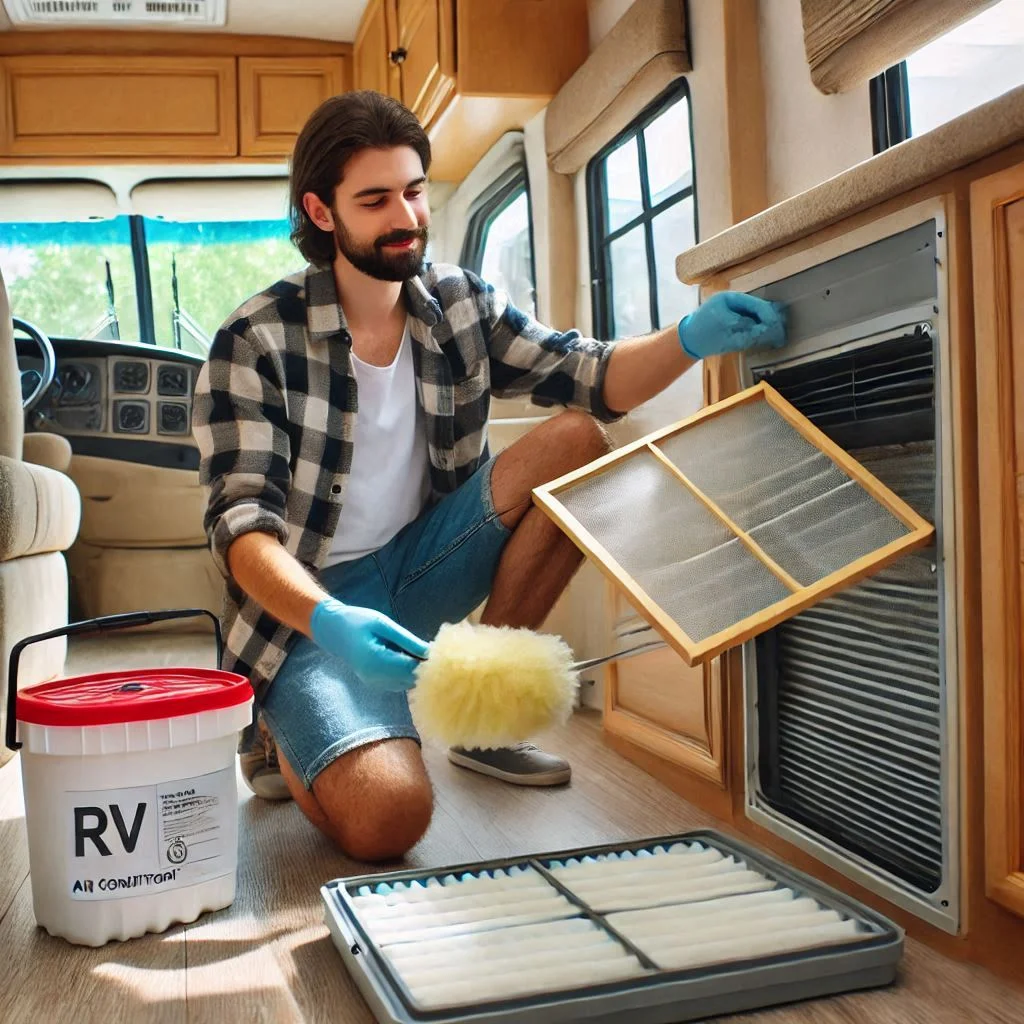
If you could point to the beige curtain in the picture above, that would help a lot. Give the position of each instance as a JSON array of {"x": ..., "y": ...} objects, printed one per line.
[
  {"x": 645, "y": 51},
  {"x": 850, "y": 41}
]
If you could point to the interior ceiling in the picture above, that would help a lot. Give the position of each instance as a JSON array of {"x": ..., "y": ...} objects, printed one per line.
[{"x": 313, "y": 19}]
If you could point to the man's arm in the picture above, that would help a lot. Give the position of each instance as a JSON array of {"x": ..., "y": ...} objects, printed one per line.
[
  {"x": 640, "y": 368},
  {"x": 608, "y": 379},
  {"x": 274, "y": 579}
]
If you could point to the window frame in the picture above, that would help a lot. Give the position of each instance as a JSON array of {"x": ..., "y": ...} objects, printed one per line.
[
  {"x": 486, "y": 208},
  {"x": 600, "y": 238},
  {"x": 889, "y": 95}
]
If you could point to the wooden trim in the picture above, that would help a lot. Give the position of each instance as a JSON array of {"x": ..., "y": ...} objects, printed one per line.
[
  {"x": 671, "y": 747},
  {"x": 190, "y": 44},
  {"x": 748, "y": 542},
  {"x": 1000, "y": 349},
  {"x": 746, "y": 123},
  {"x": 919, "y": 532}
]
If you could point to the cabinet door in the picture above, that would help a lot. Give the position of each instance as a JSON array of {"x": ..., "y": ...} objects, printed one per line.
[
  {"x": 669, "y": 708},
  {"x": 997, "y": 231},
  {"x": 371, "y": 67},
  {"x": 277, "y": 94},
  {"x": 426, "y": 35},
  {"x": 120, "y": 106}
]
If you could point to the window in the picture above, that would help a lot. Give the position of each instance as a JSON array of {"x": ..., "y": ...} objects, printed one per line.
[
  {"x": 141, "y": 279},
  {"x": 970, "y": 65},
  {"x": 200, "y": 272},
  {"x": 499, "y": 243},
  {"x": 72, "y": 280},
  {"x": 642, "y": 215}
]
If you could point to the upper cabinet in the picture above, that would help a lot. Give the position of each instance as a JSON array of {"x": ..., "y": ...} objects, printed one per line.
[
  {"x": 470, "y": 71},
  {"x": 60, "y": 106},
  {"x": 371, "y": 63},
  {"x": 277, "y": 94},
  {"x": 237, "y": 98},
  {"x": 997, "y": 233},
  {"x": 424, "y": 54}
]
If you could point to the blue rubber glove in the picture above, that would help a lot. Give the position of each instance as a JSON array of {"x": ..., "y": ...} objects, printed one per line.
[
  {"x": 730, "y": 321},
  {"x": 377, "y": 649}
]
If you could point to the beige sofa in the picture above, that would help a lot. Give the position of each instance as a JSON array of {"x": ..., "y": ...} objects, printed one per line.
[{"x": 40, "y": 510}]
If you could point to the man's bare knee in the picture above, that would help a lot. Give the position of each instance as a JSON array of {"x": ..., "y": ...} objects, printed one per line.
[
  {"x": 376, "y": 801},
  {"x": 580, "y": 436}
]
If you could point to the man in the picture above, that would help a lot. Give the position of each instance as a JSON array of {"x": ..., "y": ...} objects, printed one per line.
[{"x": 341, "y": 418}]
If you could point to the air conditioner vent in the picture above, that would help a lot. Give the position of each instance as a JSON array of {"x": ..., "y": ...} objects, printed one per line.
[
  {"x": 116, "y": 12},
  {"x": 859, "y": 397}
]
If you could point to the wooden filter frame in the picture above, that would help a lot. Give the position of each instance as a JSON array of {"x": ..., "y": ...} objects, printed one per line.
[{"x": 920, "y": 531}]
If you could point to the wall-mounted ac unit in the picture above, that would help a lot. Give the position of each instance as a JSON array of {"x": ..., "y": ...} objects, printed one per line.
[
  {"x": 851, "y": 707},
  {"x": 126, "y": 13}
]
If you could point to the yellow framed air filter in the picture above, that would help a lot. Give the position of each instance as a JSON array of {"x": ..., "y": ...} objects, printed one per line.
[{"x": 724, "y": 525}]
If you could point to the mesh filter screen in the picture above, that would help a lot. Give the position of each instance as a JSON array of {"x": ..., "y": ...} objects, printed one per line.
[
  {"x": 724, "y": 526},
  {"x": 797, "y": 504},
  {"x": 680, "y": 547}
]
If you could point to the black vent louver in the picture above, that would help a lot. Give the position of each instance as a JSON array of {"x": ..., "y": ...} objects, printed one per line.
[
  {"x": 864, "y": 397},
  {"x": 849, "y": 692}
]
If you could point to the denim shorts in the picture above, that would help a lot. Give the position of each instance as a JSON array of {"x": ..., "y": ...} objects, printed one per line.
[{"x": 438, "y": 569}]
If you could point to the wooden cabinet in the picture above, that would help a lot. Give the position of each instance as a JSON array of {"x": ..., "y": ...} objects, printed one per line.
[
  {"x": 277, "y": 94},
  {"x": 659, "y": 703},
  {"x": 470, "y": 71},
  {"x": 997, "y": 232},
  {"x": 130, "y": 106},
  {"x": 425, "y": 55},
  {"x": 371, "y": 62}
]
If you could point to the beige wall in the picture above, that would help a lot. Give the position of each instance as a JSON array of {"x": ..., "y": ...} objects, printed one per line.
[{"x": 811, "y": 137}]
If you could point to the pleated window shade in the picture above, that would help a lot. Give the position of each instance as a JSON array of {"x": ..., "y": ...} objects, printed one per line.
[
  {"x": 850, "y": 41},
  {"x": 722, "y": 526}
]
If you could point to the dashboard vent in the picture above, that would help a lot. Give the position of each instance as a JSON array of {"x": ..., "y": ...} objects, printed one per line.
[
  {"x": 172, "y": 381},
  {"x": 172, "y": 418},
  {"x": 131, "y": 378},
  {"x": 131, "y": 417}
]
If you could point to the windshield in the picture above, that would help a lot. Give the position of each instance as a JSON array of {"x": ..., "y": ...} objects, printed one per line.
[
  {"x": 88, "y": 280},
  {"x": 56, "y": 277}
]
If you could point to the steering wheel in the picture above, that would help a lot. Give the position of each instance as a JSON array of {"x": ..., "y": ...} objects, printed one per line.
[{"x": 35, "y": 384}]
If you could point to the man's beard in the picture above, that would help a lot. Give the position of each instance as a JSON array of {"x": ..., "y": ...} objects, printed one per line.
[{"x": 374, "y": 261}]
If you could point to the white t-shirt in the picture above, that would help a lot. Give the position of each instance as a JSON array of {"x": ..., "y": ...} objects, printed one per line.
[{"x": 390, "y": 477}]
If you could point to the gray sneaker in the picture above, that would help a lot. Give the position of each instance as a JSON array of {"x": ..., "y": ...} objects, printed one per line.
[
  {"x": 260, "y": 767},
  {"x": 522, "y": 765}
]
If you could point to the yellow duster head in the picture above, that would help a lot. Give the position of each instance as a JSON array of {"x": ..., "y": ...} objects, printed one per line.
[{"x": 492, "y": 686}]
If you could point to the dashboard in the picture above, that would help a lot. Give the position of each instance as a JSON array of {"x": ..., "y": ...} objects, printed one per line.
[{"x": 108, "y": 392}]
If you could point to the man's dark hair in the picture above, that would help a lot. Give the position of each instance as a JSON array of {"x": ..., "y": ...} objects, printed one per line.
[{"x": 338, "y": 129}]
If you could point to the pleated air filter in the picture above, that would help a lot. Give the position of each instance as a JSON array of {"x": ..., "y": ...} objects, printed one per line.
[{"x": 725, "y": 525}]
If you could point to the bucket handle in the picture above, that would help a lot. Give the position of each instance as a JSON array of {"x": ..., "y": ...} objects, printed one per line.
[{"x": 104, "y": 623}]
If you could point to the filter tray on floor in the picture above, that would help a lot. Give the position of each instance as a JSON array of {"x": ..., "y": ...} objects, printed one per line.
[{"x": 668, "y": 929}]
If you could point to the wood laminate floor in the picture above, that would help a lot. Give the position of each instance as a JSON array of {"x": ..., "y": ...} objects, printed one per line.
[{"x": 269, "y": 957}]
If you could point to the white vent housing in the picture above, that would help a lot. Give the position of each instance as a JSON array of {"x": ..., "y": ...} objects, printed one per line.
[{"x": 126, "y": 13}]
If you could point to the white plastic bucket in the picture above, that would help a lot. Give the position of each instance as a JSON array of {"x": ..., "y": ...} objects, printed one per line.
[{"x": 131, "y": 803}]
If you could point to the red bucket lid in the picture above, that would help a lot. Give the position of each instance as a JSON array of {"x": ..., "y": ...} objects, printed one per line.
[{"x": 107, "y": 698}]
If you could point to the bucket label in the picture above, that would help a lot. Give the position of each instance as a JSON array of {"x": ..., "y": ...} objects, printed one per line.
[{"x": 148, "y": 839}]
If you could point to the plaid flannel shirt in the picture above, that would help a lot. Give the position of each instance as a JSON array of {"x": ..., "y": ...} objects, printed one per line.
[{"x": 275, "y": 408}]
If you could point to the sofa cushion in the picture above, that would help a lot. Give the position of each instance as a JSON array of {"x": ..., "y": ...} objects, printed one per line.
[
  {"x": 40, "y": 509},
  {"x": 42, "y": 449}
]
